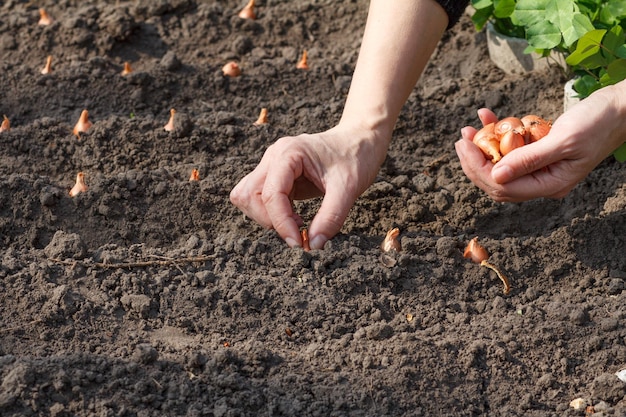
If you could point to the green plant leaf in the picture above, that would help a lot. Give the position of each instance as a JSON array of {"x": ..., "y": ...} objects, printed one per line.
[
  {"x": 560, "y": 12},
  {"x": 620, "y": 153},
  {"x": 587, "y": 52},
  {"x": 612, "y": 41},
  {"x": 481, "y": 17},
  {"x": 577, "y": 27},
  {"x": 529, "y": 12},
  {"x": 543, "y": 35},
  {"x": 481, "y": 4},
  {"x": 613, "y": 12},
  {"x": 503, "y": 8},
  {"x": 614, "y": 38},
  {"x": 617, "y": 70},
  {"x": 621, "y": 52},
  {"x": 585, "y": 85}
]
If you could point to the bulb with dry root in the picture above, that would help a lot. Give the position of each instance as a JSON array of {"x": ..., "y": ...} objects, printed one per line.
[
  {"x": 82, "y": 125},
  {"x": 80, "y": 186},
  {"x": 195, "y": 175},
  {"x": 391, "y": 241},
  {"x": 248, "y": 11},
  {"x": 262, "y": 120},
  {"x": 44, "y": 18},
  {"x": 305, "y": 240},
  {"x": 479, "y": 255},
  {"x": 47, "y": 69},
  {"x": 170, "y": 123},
  {"x": 127, "y": 69},
  {"x": 303, "y": 63},
  {"x": 231, "y": 69},
  {"x": 5, "y": 126}
]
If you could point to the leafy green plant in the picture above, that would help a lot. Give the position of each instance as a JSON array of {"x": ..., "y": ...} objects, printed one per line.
[
  {"x": 589, "y": 32},
  {"x": 498, "y": 12},
  {"x": 598, "y": 60},
  {"x": 546, "y": 24}
]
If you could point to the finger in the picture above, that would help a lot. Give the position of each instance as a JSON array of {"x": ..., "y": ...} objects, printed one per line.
[
  {"x": 275, "y": 198},
  {"x": 246, "y": 195},
  {"x": 542, "y": 183},
  {"x": 474, "y": 164},
  {"x": 486, "y": 116},
  {"x": 468, "y": 133},
  {"x": 331, "y": 216}
]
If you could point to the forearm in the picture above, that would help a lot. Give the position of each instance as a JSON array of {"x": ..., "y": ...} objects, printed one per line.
[{"x": 399, "y": 38}]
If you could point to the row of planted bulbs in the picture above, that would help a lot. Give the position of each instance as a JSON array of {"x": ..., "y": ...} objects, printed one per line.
[{"x": 230, "y": 69}]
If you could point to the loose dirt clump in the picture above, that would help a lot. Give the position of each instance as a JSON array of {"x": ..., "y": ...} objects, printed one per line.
[{"x": 151, "y": 295}]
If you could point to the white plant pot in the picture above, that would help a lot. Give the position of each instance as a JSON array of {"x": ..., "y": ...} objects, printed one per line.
[
  {"x": 570, "y": 97},
  {"x": 508, "y": 54}
]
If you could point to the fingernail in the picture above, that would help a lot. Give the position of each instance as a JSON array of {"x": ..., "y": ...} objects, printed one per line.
[
  {"x": 318, "y": 242},
  {"x": 291, "y": 243},
  {"x": 502, "y": 173}
]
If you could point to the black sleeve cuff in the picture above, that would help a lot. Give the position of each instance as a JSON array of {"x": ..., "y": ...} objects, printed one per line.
[{"x": 454, "y": 9}]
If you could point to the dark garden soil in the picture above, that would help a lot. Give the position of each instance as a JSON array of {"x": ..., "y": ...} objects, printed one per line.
[{"x": 151, "y": 295}]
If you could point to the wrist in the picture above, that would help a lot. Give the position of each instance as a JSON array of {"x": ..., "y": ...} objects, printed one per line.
[
  {"x": 614, "y": 112},
  {"x": 366, "y": 142},
  {"x": 370, "y": 132},
  {"x": 620, "y": 94}
]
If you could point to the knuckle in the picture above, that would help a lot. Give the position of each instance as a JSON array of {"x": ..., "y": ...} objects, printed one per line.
[
  {"x": 235, "y": 196},
  {"x": 499, "y": 195}
]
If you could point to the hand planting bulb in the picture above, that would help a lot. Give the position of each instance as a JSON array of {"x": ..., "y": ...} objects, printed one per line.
[{"x": 304, "y": 234}]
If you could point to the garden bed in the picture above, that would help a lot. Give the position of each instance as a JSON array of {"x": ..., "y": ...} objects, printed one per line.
[{"x": 151, "y": 295}]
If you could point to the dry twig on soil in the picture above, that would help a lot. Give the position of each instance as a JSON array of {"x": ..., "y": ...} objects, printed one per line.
[{"x": 137, "y": 264}]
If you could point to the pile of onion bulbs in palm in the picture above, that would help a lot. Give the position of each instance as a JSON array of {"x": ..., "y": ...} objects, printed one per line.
[{"x": 501, "y": 137}]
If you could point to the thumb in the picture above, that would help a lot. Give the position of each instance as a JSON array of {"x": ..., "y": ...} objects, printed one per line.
[
  {"x": 526, "y": 159},
  {"x": 330, "y": 217},
  {"x": 486, "y": 116}
]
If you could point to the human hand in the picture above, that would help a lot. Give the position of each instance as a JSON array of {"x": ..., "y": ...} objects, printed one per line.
[
  {"x": 338, "y": 164},
  {"x": 578, "y": 141}
]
